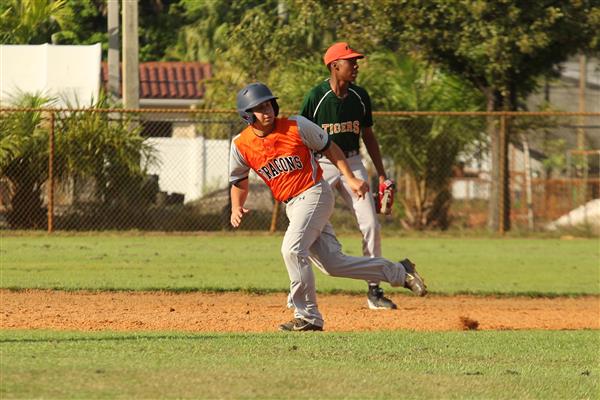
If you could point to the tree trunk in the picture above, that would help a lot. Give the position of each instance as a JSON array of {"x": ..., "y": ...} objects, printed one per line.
[{"x": 427, "y": 208}]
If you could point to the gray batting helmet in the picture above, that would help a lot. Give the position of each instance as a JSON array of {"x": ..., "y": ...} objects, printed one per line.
[{"x": 251, "y": 96}]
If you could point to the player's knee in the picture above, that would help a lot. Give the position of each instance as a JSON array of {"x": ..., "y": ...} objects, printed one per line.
[
  {"x": 288, "y": 254},
  {"x": 292, "y": 253}
]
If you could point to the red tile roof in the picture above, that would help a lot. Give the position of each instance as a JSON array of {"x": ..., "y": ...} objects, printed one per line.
[{"x": 168, "y": 80}]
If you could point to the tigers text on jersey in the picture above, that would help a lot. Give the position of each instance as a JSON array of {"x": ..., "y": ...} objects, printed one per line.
[
  {"x": 283, "y": 159},
  {"x": 343, "y": 119}
]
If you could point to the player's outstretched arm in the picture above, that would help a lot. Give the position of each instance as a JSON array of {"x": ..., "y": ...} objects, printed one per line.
[
  {"x": 336, "y": 156},
  {"x": 239, "y": 193}
]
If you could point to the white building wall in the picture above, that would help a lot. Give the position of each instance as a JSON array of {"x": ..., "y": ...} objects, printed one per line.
[
  {"x": 192, "y": 167},
  {"x": 479, "y": 187},
  {"x": 69, "y": 73}
]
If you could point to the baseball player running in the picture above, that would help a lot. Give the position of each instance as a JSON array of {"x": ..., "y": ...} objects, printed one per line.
[
  {"x": 343, "y": 110},
  {"x": 281, "y": 152}
]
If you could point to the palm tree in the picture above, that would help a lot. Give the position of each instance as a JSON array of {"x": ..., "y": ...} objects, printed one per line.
[
  {"x": 425, "y": 148},
  {"x": 111, "y": 153},
  {"x": 87, "y": 145},
  {"x": 33, "y": 21},
  {"x": 24, "y": 159}
]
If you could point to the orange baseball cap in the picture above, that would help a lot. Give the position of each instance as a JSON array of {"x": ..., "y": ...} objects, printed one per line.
[{"x": 340, "y": 51}]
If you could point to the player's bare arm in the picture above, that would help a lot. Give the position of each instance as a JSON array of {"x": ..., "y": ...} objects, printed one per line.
[
  {"x": 239, "y": 193},
  {"x": 336, "y": 156},
  {"x": 372, "y": 146}
]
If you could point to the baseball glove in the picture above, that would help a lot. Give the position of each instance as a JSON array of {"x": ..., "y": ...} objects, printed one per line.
[{"x": 385, "y": 197}]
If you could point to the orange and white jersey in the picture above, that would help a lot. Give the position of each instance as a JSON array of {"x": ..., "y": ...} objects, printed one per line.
[{"x": 283, "y": 159}]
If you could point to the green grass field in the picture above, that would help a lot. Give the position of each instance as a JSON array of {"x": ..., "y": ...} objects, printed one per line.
[
  {"x": 385, "y": 365},
  {"x": 237, "y": 262},
  {"x": 398, "y": 364}
]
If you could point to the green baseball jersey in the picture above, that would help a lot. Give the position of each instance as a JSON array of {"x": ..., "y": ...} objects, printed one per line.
[{"x": 343, "y": 119}]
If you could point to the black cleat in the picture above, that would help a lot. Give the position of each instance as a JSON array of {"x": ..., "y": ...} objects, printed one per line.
[
  {"x": 377, "y": 301},
  {"x": 413, "y": 281},
  {"x": 299, "y": 325}
]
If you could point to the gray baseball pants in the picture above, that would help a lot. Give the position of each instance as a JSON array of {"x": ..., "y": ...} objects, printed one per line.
[{"x": 310, "y": 234}]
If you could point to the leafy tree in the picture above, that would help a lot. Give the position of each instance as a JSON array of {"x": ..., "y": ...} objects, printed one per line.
[
  {"x": 499, "y": 46},
  {"x": 258, "y": 46},
  {"x": 208, "y": 34},
  {"x": 159, "y": 25},
  {"x": 262, "y": 46},
  {"x": 33, "y": 21},
  {"x": 53, "y": 21},
  {"x": 264, "y": 43},
  {"x": 426, "y": 148},
  {"x": 88, "y": 28},
  {"x": 292, "y": 81},
  {"x": 206, "y": 31}
]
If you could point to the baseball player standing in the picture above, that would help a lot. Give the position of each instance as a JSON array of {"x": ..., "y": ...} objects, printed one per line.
[
  {"x": 343, "y": 110},
  {"x": 281, "y": 152}
]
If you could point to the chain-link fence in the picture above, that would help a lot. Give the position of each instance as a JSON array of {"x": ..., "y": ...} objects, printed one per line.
[
  {"x": 497, "y": 170},
  {"x": 167, "y": 170}
]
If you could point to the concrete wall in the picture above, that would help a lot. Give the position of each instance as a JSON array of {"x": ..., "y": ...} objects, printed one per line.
[
  {"x": 70, "y": 73},
  {"x": 191, "y": 166}
]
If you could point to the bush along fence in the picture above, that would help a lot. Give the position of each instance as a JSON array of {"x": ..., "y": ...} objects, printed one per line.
[{"x": 167, "y": 170}]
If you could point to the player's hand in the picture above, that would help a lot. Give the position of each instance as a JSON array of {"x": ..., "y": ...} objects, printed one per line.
[
  {"x": 237, "y": 213},
  {"x": 359, "y": 187}
]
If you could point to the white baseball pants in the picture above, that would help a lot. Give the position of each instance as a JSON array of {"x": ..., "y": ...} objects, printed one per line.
[{"x": 364, "y": 211}]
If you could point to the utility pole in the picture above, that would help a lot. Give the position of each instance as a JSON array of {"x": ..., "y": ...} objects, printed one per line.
[
  {"x": 114, "y": 43},
  {"x": 282, "y": 12},
  {"x": 131, "y": 80},
  {"x": 581, "y": 163},
  {"x": 582, "y": 85}
]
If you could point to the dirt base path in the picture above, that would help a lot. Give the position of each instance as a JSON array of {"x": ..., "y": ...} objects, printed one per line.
[{"x": 240, "y": 312}]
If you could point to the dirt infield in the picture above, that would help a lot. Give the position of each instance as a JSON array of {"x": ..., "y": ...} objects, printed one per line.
[{"x": 240, "y": 312}]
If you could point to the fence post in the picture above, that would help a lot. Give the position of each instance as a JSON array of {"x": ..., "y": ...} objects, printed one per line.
[
  {"x": 51, "y": 174},
  {"x": 502, "y": 176}
]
